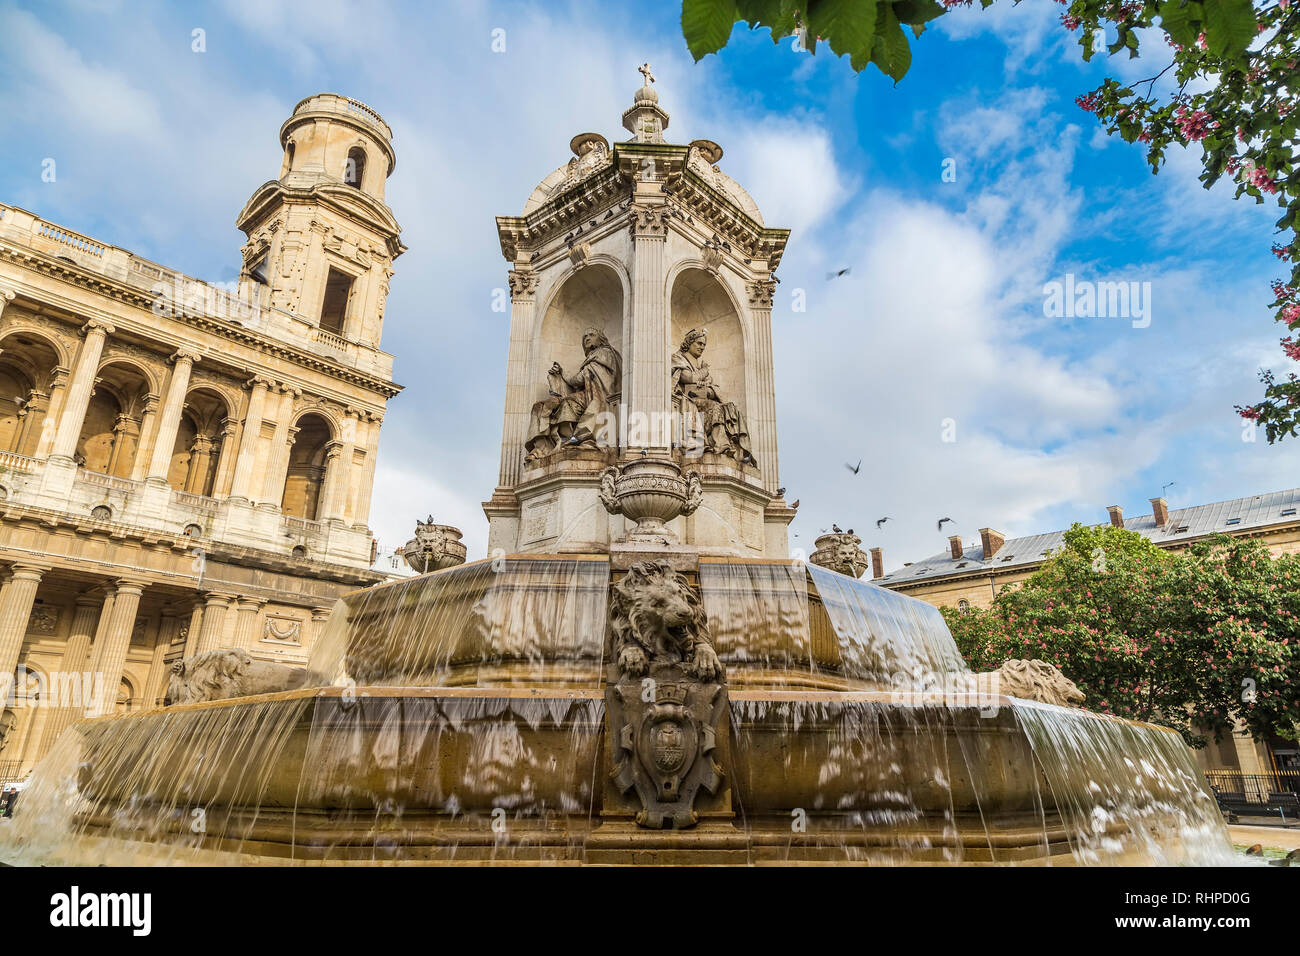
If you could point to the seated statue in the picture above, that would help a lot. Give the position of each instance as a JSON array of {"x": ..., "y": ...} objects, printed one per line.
[
  {"x": 571, "y": 414},
  {"x": 721, "y": 427}
]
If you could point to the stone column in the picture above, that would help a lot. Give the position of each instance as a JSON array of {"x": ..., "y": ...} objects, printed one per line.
[
  {"x": 226, "y": 458},
  {"x": 109, "y": 653},
  {"x": 156, "y": 683},
  {"x": 37, "y": 406},
  {"x": 336, "y": 469},
  {"x": 519, "y": 391},
  {"x": 242, "y": 486},
  {"x": 169, "y": 419},
  {"x": 277, "y": 466},
  {"x": 214, "y": 622},
  {"x": 645, "y": 366},
  {"x": 148, "y": 438},
  {"x": 336, "y": 506},
  {"x": 77, "y": 679},
  {"x": 192, "y": 636},
  {"x": 50, "y": 426},
  {"x": 196, "y": 471},
  {"x": 366, "y": 485},
  {"x": 17, "y": 596},
  {"x": 762, "y": 395},
  {"x": 80, "y": 387},
  {"x": 246, "y": 622}
]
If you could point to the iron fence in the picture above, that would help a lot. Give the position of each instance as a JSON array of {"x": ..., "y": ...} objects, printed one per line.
[{"x": 1253, "y": 787}]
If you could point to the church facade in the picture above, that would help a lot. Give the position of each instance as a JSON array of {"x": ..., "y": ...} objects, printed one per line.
[{"x": 185, "y": 466}]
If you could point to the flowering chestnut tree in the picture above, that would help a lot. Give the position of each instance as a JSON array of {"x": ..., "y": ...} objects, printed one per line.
[
  {"x": 1193, "y": 641},
  {"x": 1224, "y": 81}
]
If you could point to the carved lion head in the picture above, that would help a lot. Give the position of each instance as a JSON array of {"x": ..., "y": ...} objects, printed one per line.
[{"x": 655, "y": 607}]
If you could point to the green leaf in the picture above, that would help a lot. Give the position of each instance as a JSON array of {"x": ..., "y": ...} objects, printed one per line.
[
  {"x": 918, "y": 12},
  {"x": 849, "y": 26},
  {"x": 1230, "y": 25},
  {"x": 891, "y": 52},
  {"x": 777, "y": 15},
  {"x": 1178, "y": 22},
  {"x": 707, "y": 24}
]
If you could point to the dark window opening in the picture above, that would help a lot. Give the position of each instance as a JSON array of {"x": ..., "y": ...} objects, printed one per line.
[
  {"x": 354, "y": 170},
  {"x": 334, "y": 311},
  {"x": 258, "y": 271}
]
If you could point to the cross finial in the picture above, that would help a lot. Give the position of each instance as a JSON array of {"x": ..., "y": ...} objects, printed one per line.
[{"x": 644, "y": 70}]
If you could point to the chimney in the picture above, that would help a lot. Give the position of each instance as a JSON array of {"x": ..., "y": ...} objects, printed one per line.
[
  {"x": 954, "y": 546},
  {"x": 877, "y": 563},
  {"x": 1116, "y": 516},
  {"x": 1160, "y": 511},
  {"x": 991, "y": 541}
]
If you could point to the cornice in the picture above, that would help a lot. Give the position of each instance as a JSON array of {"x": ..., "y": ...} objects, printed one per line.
[{"x": 129, "y": 295}]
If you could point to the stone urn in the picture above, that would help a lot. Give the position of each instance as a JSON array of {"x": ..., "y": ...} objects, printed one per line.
[
  {"x": 434, "y": 547},
  {"x": 841, "y": 551},
  {"x": 652, "y": 492}
]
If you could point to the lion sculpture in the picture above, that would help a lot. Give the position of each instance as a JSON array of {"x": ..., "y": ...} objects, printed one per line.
[
  {"x": 1032, "y": 680},
  {"x": 655, "y": 616},
  {"x": 218, "y": 675}
]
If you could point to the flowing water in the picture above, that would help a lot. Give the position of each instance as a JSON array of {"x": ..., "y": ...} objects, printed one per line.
[{"x": 460, "y": 716}]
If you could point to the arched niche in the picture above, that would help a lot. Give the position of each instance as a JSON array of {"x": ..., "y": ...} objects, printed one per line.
[
  {"x": 307, "y": 461},
  {"x": 698, "y": 301},
  {"x": 110, "y": 432},
  {"x": 198, "y": 442},
  {"x": 27, "y": 365},
  {"x": 592, "y": 297}
]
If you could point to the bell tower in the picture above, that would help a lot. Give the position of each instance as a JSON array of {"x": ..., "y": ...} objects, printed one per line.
[
  {"x": 639, "y": 390},
  {"x": 321, "y": 240}
]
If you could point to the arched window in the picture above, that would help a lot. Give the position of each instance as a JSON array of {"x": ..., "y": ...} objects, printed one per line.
[
  {"x": 306, "y": 473},
  {"x": 354, "y": 170},
  {"x": 963, "y": 607}
]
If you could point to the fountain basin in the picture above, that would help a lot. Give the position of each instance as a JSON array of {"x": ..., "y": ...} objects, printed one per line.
[{"x": 468, "y": 721}]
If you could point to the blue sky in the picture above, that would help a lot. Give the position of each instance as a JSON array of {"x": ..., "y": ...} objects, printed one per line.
[{"x": 941, "y": 316}]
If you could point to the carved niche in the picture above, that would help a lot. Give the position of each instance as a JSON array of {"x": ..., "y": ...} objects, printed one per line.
[{"x": 666, "y": 700}]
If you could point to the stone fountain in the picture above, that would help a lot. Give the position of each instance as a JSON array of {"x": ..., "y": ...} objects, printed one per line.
[{"x": 640, "y": 674}]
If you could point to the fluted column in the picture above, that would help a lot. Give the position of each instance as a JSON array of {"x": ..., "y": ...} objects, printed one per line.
[
  {"x": 523, "y": 295},
  {"x": 80, "y": 387},
  {"x": 169, "y": 419},
  {"x": 77, "y": 679},
  {"x": 108, "y": 655},
  {"x": 366, "y": 482},
  {"x": 17, "y": 596},
  {"x": 50, "y": 426},
  {"x": 246, "y": 613},
  {"x": 336, "y": 506},
  {"x": 646, "y": 389},
  {"x": 214, "y": 622},
  {"x": 335, "y": 475},
  {"x": 156, "y": 681},
  {"x": 192, "y": 635},
  {"x": 277, "y": 465},
  {"x": 243, "y": 484},
  {"x": 226, "y": 458},
  {"x": 762, "y": 396},
  {"x": 148, "y": 438}
]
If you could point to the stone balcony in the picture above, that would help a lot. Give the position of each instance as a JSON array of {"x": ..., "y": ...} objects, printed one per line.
[
  {"x": 108, "y": 502},
  {"x": 189, "y": 297}
]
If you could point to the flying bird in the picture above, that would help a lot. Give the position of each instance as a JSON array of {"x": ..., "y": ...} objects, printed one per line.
[
  {"x": 881, "y": 523},
  {"x": 854, "y": 468},
  {"x": 941, "y": 521},
  {"x": 836, "y": 275}
]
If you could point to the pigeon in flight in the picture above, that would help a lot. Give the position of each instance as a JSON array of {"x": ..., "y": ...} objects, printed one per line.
[
  {"x": 941, "y": 521},
  {"x": 880, "y": 523},
  {"x": 854, "y": 468},
  {"x": 836, "y": 275}
]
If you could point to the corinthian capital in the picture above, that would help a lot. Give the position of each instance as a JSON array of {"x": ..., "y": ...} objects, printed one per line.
[
  {"x": 761, "y": 293},
  {"x": 523, "y": 283},
  {"x": 649, "y": 222}
]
